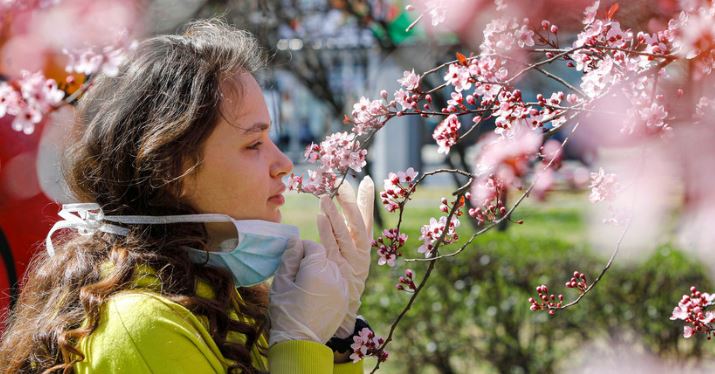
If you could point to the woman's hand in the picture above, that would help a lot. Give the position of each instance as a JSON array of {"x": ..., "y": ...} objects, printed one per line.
[
  {"x": 309, "y": 296},
  {"x": 351, "y": 237}
]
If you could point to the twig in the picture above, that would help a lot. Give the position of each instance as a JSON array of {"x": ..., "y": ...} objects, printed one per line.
[{"x": 422, "y": 283}]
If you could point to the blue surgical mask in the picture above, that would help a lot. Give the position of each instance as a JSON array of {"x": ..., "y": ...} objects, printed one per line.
[
  {"x": 252, "y": 260},
  {"x": 257, "y": 255}
]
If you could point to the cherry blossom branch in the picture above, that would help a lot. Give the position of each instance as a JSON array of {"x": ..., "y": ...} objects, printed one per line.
[
  {"x": 584, "y": 291},
  {"x": 473, "y": 128},
  {"x": 603, "y": 271},
  {"x": 606, "y": 48},
  {"x": 543, "y": 62},
  {"x": 422, "y": 283},
  {"x": 415, "y": 22},
  {"x": 503, "y": 217}
]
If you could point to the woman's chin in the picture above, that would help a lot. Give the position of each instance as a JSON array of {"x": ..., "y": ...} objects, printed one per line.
[{"x": 276, "y": 216}]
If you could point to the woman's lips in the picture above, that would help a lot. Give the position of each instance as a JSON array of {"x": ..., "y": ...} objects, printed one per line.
[{"x": 277, "y": 199}]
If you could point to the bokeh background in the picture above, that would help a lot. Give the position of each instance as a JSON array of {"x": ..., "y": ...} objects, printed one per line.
[{"x": 474, "y": 316}]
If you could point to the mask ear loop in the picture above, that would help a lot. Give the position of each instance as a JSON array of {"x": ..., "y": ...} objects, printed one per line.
[{"x": 88, "y": 218}]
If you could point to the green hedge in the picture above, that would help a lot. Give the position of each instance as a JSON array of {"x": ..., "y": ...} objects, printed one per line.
[{"x": 474, "y": 315}]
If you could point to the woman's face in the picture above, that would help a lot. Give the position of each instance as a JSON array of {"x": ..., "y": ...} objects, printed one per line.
[{"x": 240, "y": 173}]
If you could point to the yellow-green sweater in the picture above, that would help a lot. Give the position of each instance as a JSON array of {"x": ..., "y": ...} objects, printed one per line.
[{"x": 141, "y": 331}]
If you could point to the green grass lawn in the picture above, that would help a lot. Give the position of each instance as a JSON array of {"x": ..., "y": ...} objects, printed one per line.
[{"x": 562, "y": 214}]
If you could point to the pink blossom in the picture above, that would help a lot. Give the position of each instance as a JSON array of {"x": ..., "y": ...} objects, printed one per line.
[
  {"x": 507, "y": 156},
  {"x": 398, "y": 186},
  {"x": 499, "y": 36},
  {"x": 679, "y": 313},
  {"x": 484, "y": 191},
  {"x": 501, "y": 162},
  {"x": 486, "y": 70},
  {"x": 388, "y": 246},
  {"x": 598, "y": 80},
  {"x": 573, "y": 99},
  {"x": 39, "y": 92},
  {"x": 9, "y": 100},
  {"x": 407, "y": 282},
  {"x": 437, "y": 10},
  {"x": 36, "y": 97},
  {"x": 455, "y": 101},
  {"x": 616, "y": 37},
  {"x": 86, "y": 62},
  {"x": 691, "y": 310},
  {"x": 26, "y": 119},
  {"x": 544, "y": 180},
  {"x": 368, "y": 115},
  {"x": 312, "y": 153},
  {"x": 458, "y": 76},
  {"x": 603, "y": 186},
  {"x": 318, "y": 182},
  {"x": 524, "y": 37},
  {"x": 704, "y": 108},
  {"x": 589, "y": 14},
  {"x": 367, "y": 344},
  {"x": 552, "y": 153},
  {"x": 404, "y": 99},
  {"x": 334, "y": 155},
  {"x": 89, "y": 61},
  {"x": 653, "y": 116},
  {"x": 339, "y": 151},
  {"x": 446, "y": 133},
  {"x": 409, "y": 80},
  {"x": 695, "y": 33},
  {"x": 510, "y": 113},
  {"x": 432, "y": 231}
]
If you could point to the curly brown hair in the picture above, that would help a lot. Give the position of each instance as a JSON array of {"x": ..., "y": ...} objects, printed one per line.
[{"x": 136, "y": 136}]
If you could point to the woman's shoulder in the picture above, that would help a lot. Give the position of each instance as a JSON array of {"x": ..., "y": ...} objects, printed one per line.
[
  {"x": 138, "y": 327},
  {"x": 143, "y": 304}
]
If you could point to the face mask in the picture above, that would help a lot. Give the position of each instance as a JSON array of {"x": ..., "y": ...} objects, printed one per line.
[{"x": 254, "y": 259}]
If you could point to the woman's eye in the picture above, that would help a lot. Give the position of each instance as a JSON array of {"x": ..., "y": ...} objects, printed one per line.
[{"x": 255, "y": 146}]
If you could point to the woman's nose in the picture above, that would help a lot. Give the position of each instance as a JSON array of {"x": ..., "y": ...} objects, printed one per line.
[{"x": 282, "y": 165}]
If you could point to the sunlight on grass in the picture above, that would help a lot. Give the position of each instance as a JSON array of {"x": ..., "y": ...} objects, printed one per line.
[{"x": 562, "y": 214}]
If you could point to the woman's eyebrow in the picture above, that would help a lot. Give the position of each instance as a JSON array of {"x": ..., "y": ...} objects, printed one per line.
[{"x": 257, "y": 127}]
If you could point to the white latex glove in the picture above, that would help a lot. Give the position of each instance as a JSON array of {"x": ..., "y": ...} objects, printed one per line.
[
  {"x": 353, "y": 240},
  {"x": 309, "y": 295}
]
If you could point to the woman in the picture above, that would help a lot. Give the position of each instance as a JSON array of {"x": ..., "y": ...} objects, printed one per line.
[{"x": 157, "y": 284}]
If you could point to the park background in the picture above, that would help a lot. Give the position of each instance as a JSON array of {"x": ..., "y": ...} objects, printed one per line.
[{"x": 474, "y": 315}]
